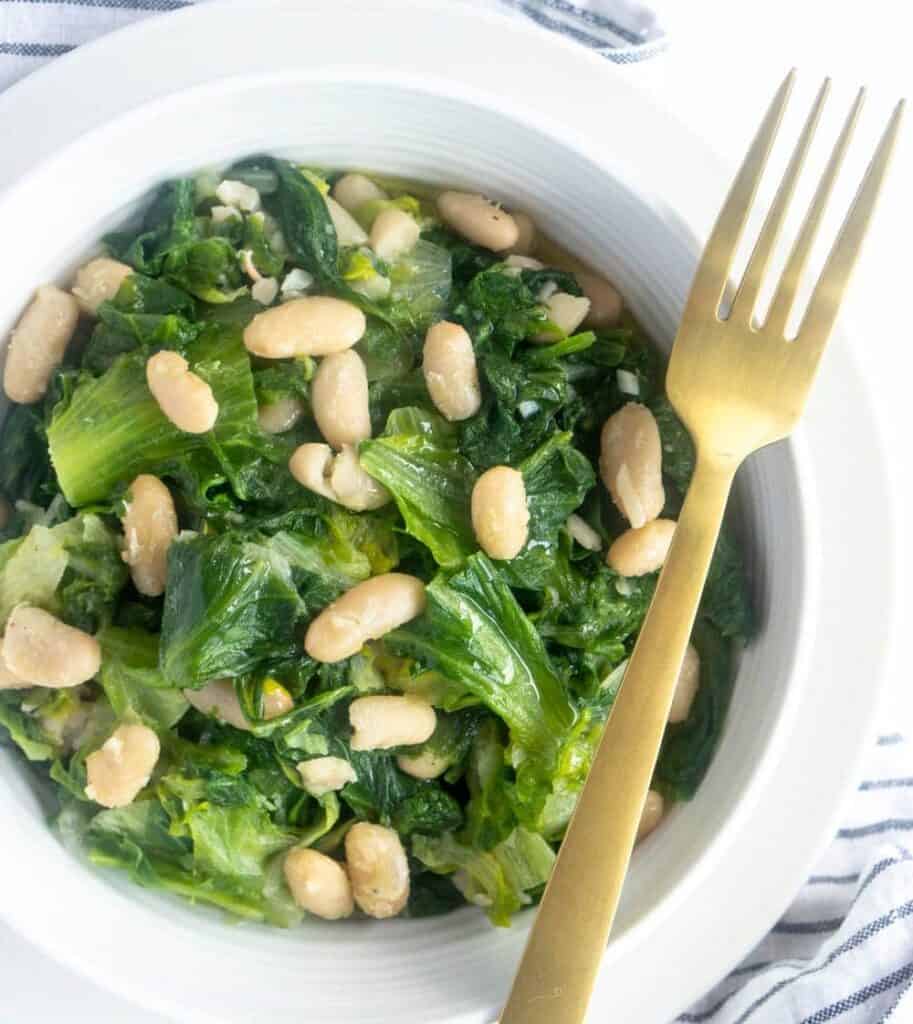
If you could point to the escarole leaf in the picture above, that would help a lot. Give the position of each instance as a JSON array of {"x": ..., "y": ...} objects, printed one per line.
[
  {"x": 430, "y": 482},
  {"x": 474, "y": 630},
  {"x": 73, "y": 569},
  {"x": 24, "y": 730},
  {"x": 727, "y": 601},
  {"x": 32, "y": 567},
  {"x": 230, "y": 606},
  {"x": 306, "y": 224},
  {"x": 112, "y": 429},
  {"x": 502, "y": 880},
  {"x": 222, "y": 855},
  {"x": 311, "y": 237},
  {"x": 132, "y": 680},
  {"x": 117, "y": 333},
  {"x": 168, "y": 223},
  {"x": 25, "y": 470}
]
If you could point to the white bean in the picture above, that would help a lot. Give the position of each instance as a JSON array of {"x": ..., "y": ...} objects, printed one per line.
[
  {"x": 382, "y": 722},
  {"x": 352, "y": 487},
  {"x": 98, "y": 282},
  {"x": 44, "y": 651},
  {"x": 606, "y": 303},
  {"x": 451, "y": 374},
  {"x": 281, "y": 415},
  {"x": 186, "y": 399},
  {"x": 641, "y": 549},
  {"x": 366, "y": 612},
  {"x": 566, "y": 312},
  {"x": 378, "y": 869},
  {"x": 500, "y": 517},
  {"x": 348, "y": 230},
  {"x": 150, "y": 525},
  {"x": 426, "y": 765},
  {"x": 393, "y": 234},
  {"x": 354, "y": 190},
  {"x": 339, "y": 399},
  {"x": 583, "y": 533},
  {"x": 276, "y": 699},
  {"x": 218, "y": 698},
  {"x": 651, "y": 815},
  {"x": 122, "y": 766},
  {"x": 689, "y": 678},
  {"x": 314, "y": 325},
  {"x": 478, "y": 220},
  {"x": 526, "y": 235},
  {"x": 311, "y": 465},
  {"x": 322, "y": 775},
  {"x": 631, "y": 463},
  {"x": 318, "y": 883},
  {"x": 38, "y": 343},
  {"x": 339, "y": 478}
]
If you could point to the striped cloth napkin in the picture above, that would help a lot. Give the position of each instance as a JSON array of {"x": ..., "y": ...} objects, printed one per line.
[
  {"x": 844, "y": 950},
  {"x": 33, "y": 32}
]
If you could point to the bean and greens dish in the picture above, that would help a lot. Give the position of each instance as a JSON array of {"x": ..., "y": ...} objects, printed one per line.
[{"x": 332, "y": 507}]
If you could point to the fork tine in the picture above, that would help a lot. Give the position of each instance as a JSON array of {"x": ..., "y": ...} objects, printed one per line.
[
  {"x": 747, "y": 295},
  {"x": 712, "y": 274},
  {"x": 785, "y": 296},
  {"x": 826, "y": 298}
]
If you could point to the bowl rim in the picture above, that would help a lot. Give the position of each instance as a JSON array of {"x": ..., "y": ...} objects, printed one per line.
[{"x": 37, "y": 86}]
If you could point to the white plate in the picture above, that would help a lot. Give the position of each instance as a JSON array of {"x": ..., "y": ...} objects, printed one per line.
[{"x": 441, "y": 91}]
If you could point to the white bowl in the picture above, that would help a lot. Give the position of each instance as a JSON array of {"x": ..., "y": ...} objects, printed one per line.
[{"x": 420, "y": 89}]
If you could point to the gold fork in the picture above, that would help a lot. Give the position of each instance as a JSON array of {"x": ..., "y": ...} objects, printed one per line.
[{"x": 738, "y": 386}]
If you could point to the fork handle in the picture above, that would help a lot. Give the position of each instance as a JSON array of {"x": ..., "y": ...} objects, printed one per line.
[{"x": 568, "y": 938}]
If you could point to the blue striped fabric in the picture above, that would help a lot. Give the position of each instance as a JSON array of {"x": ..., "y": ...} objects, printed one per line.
[
  {"x": 844, "y": 950},
  {"x": 34, "y": 31}
]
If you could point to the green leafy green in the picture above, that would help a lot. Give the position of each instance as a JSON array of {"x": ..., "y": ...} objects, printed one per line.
[
  {"x": 230, "y": 606},
  {"x": 139, "y": 294},
  {"x": 499, "y": 311},
  {"x": 431, "y": 484},
  {"x": 95, "y": 574},
  {"x": 73, "y": 569},
  {"x": 168, "y": 223},
  {"x": 223, "y": 856},
  {"x": 520, "y": 658},
  {"x": 678, "y": 448},
  {"x": 24, "y": 730},
  {"x": 427, "y": 811},
  {"x": 306, "y": 224},
  {"x": 475, "y": 631},
  {"x": 25, "y": 470},
  {"x": 112, "y": 428},
  {"x": 119, "y": 332},
  {"x": 501, "y": 880},
  {"x": 727, "y": 601},
  {"x": 132, "y": 680}
]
